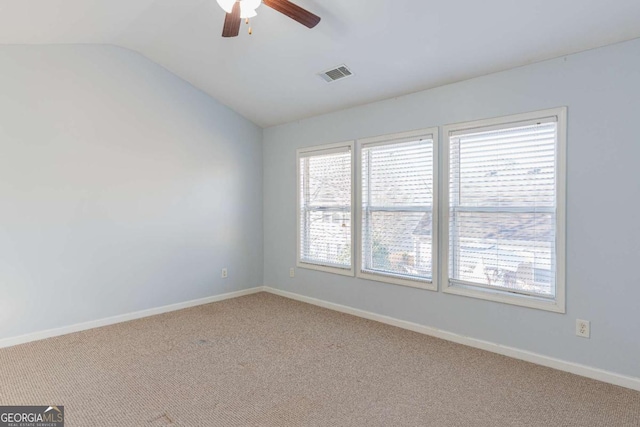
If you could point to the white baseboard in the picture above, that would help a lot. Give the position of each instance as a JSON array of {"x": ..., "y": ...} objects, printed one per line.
[
  {"x": 8, "y": 342},
  {"x": 539, "y": 359},
  {"x": 562, "y": 365}
]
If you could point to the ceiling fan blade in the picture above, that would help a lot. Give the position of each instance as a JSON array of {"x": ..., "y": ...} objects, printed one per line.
[
  {"x": 232, "y": 22},
  {"x": 294, "y": 12}
]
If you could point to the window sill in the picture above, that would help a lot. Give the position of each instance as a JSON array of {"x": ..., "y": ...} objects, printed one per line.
[
  {"x": 557, "y": 305},
  {"x": 398, "y": 280},
  {"x": 326, "y": 269}
]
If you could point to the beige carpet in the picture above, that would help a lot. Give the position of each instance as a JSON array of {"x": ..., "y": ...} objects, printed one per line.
[{"x": 263, "y": 360}]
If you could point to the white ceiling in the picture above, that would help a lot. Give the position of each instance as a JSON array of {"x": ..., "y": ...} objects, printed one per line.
[{"x": 393, "y": 46}]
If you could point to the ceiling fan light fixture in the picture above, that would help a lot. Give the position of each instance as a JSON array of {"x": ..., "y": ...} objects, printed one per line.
[
  {"x": 247, "y": 7},
  {"x": 253, "y": 4},
  {"x": 246, "y": 11},
  {"x": 226, "y": 5}
]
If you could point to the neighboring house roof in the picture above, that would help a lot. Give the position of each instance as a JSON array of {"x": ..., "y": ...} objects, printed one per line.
[{"x": 424, "y": 227}]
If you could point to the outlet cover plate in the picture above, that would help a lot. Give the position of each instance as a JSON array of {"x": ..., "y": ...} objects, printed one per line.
[{"x": 583, "y": 328}]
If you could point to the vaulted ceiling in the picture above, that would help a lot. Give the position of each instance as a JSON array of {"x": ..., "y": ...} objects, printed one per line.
[{"x": 392, "y": 46}]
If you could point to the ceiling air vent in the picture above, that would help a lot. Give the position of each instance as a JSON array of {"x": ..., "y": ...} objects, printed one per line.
[{"x": 340, "y": 72}]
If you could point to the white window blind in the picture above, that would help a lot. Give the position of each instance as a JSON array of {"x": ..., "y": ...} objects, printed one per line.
[
  {"x": 502, "y": 207},
  {"x": 325, "y": 207},
  {"x": 397, "y": 199}
]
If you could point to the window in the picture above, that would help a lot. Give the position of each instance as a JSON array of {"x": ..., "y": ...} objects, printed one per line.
[
  {"x": 325, "y": 240},
  {"x": 502, "y": 197},
  {"x": 506, "y": 209},
  {"x": 398, "y": 236}
]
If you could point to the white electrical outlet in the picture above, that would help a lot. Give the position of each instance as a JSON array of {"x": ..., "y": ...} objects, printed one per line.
[
  {"x": 583, "y": 328},
  {"x": 292, "y": 272},
  {"x": 224, "y": 274}
]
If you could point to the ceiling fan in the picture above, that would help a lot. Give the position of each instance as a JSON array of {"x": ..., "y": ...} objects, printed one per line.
[{"x": 237, "y": 10}]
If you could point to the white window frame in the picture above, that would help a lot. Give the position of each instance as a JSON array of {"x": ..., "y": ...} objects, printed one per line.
[
  {"x": 431, "y": 133},
  {"x": 554, "y": 305},
  {"x": 319, "y": 149}
]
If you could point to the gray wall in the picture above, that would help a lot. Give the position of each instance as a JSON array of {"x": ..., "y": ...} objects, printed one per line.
[
  {"x": 122, "y": 188},
  {"x": 602, "y": 90}
]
